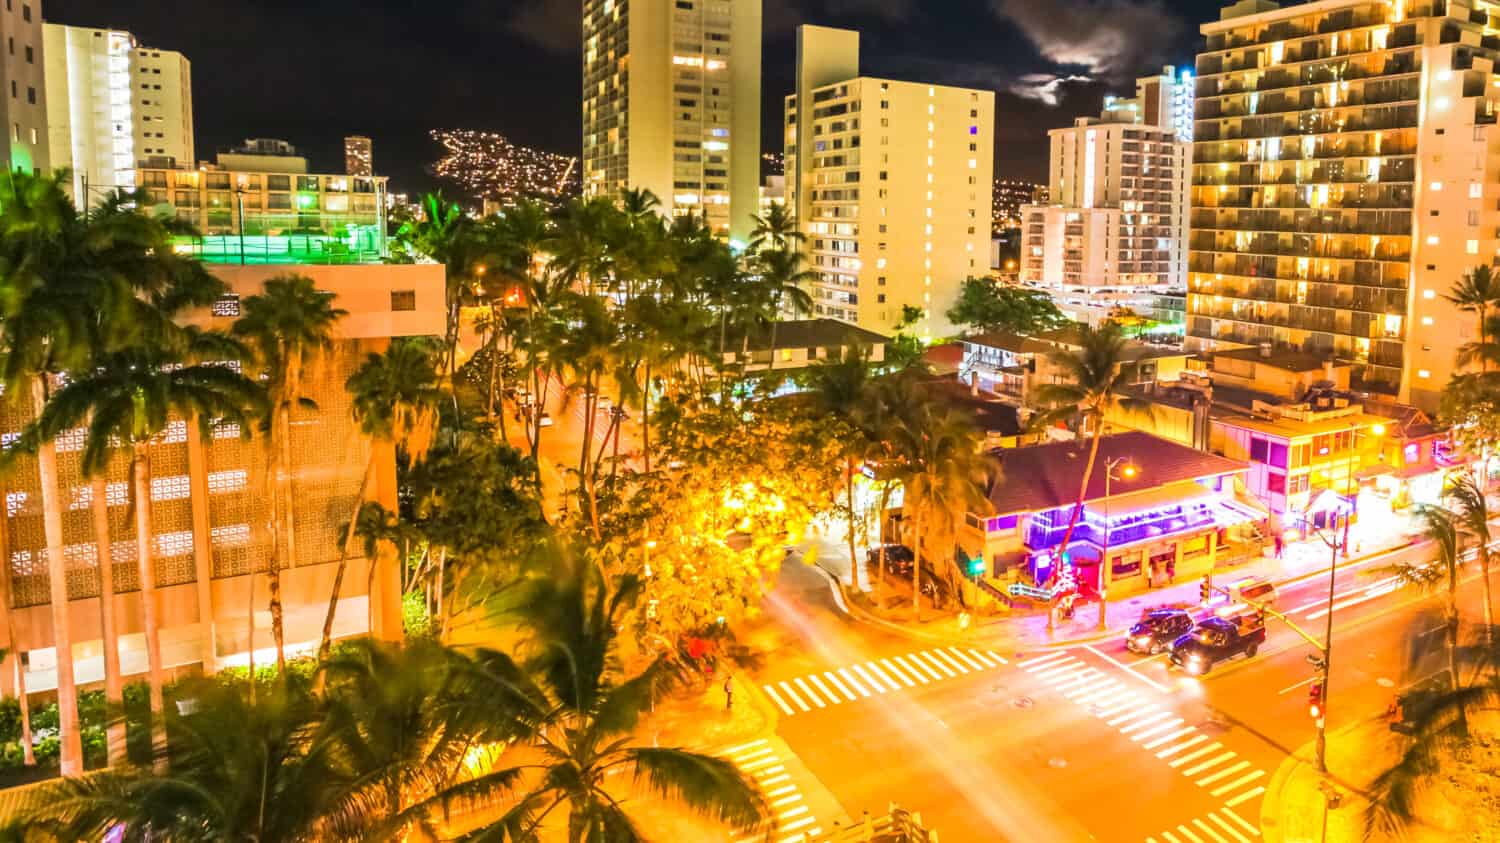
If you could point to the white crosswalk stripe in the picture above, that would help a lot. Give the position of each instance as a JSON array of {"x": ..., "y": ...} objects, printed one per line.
[
  {"x": 794, "y": 820},
  {"x": 1140, "y": 715},
  {"x": 856, "y": 682},
  {"x": 1220, "y": 826}
]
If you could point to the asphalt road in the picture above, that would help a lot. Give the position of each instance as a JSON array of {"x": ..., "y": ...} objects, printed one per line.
[{"x": 1083, "y": 743}]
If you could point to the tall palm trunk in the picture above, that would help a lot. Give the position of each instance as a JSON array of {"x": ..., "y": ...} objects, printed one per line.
[
  {"x": 916, "y": 570},
  {"x": 1083, "y": 489},
  {"x": 71, "y": 749},
  {"x": 325, "y": 641},
  {"x": 13, "y": 649},
  {"x": 281, "y": 436},
  {"x": 140, "y": 470},
  {"x": 646, "y": 420},
  {"x": 114, "y": 690},
  {"x": 849, "y": 498}
]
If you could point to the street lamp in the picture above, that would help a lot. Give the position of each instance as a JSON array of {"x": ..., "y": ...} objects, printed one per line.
[
  {"x": 1128, "y": 471},
  {"x": 1321, "y": 712}
]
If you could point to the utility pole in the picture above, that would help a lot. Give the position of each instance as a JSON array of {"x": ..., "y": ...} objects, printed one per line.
[{"x": 1321, "y": 746}]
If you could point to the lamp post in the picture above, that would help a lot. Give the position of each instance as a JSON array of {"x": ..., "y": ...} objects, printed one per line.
[
  {"x": 1321, "y": 744},
  {"x": 1128, "y": 471}
]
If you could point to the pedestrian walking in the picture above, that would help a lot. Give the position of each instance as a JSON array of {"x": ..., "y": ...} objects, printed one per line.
[
  {"x": 1171, "y": 571},
  {"x": 1280, "y": 546},
  {"x": 728, "y": 692}
]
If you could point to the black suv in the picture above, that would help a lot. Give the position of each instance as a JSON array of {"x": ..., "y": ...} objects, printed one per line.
[
  {"x": 898, "y": 559},
  {"x": 1157, "y": 629}
]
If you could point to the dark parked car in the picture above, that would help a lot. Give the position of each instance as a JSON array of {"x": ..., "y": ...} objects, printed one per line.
[
  {"x": 1216, "y": 639},
  {"x": 1157, "y": 629},
  {"x": 898, "y": 559}
]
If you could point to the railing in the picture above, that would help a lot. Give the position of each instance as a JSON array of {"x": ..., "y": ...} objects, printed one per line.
[{"x": 897, "y": 826}]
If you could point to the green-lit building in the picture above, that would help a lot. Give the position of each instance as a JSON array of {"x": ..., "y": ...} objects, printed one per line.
[{"x": 254, "y": 207}]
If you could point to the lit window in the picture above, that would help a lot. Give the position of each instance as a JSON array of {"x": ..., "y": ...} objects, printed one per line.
[
  {"x": 174, "y": 544},
  {"x": 1429, "y": 294},
  {"x": 170, "y": 488},
  {"x": 1476, "y": 190},
  {"x": 226, "y": 481},
  {"x": 1423, "y": 373},
  {"x": 1426, "y": 320},
  {"x": 1471, "y": 246},
  {"x": 1437, "y": 185},
  {"x": 1432, "y": 239}
]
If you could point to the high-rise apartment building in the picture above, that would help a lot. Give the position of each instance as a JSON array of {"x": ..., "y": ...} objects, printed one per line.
[
  {"x": 23, "y": 94},
  {"x": 1165, "y": 99},
  {"x": 891, "y": 182},
  {"x": 111, "y": 104},
  {"x": 671, "y": 103},
  {"x": 1117, "y": 222},
  {"x": 359, "y": 156},
  {"x": 1346, "y": 173}
]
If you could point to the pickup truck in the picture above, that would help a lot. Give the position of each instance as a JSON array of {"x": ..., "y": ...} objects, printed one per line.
[{"x": 1215, "y": 639}]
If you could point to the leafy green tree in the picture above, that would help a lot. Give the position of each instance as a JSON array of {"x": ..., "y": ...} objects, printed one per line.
[
  {"x": 289, "y": 325},
  {"x": 985, "y": 304},
  {"x": 1093, "y": 378},
  {"x": 780, "y": 285},
  {"x": 1471, "y": 508},
  {"x": 840, "y": 389},
  {"x": 775, "y": 230},
  {"x": 1477, "y": 293},
  {"x": 1440, "y": 526}
]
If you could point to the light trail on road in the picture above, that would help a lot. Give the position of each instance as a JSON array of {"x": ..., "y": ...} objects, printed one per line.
[{"x": 1008, "y": 803}]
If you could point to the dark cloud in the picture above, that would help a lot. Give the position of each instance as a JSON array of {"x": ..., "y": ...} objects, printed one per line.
[
  {"x": 553, "y": 25},
  {"x": 1112, "y": 40}
]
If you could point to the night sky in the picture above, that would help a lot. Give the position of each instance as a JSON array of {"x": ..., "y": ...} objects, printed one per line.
[{"x": 312, "y": 71}]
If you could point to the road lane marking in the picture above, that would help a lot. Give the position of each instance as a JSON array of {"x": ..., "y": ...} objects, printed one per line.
[
  {"x": 744, "y": 746},
  {"x": 879, "y": 688},
  {"x": 799, "y": 823},
  {"x": 1170, "y": 838},
  {"x": 1371, "y": 592},
  {"x": 1197, "y": 753},
  {"x": 1158, "y": 729},
  {"x": 1083, "y": 677},
  {"x": 896, "y": 672},
  {"x": 1120, "y": 704},
  {"x": 1245, "y": 797},
  {"x": 1176, "y": 748},
  {"x": 1242, "y": 780},
  {"x": 777, "y": 699},
  {"x": 1125, "y": 667},
  {"x": 913, "y": 671},
  {"x": 1057, "y": 667},
  {"x": 987, "y": 659},
  {"x": 754, "y": 765},
  {"x": 1145, "y": 711},
  {"x": 1241, "y": 820},
  {"x": 810, "y": 695},
  {"x": 1309, "y": 680},
  {"x": 1094, "y": 693},
  {"x": 957, "y": 665},
  {"x": 1224, "y": 773},
  {"x": 834, "y": 680},
  {"x": 1050, "y": 657},
  {"x": 931, "y": 658},
  {"x": 854, "y": 683},
  {"x": 791, "y": 788},
  {"x": 1203, "y": 826},
  {"x": 1212, "y": 762},
  {"x": 794, "y": 812},
  {"x": 792, "y": 695},
  {"x": 922, "y": 666},
  {"x": 1229, "y": 828},
  {"x": 1189, "y": 835},
  {"x": 1145, "y": 721},
  {"x": 824, "y": 688},
  {"x": 1156, "y": 742},
  {"x": 786, "y": 800}
]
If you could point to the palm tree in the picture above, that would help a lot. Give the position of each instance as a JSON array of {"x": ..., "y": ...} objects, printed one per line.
[
  {"x": 446, "y": 235},
  {"x": 73, "y": 285},
  {"x": 780, "y": 285},
  {"x": 588, "y": 351},
  {"x": 1472, "y": 509},
  {"x": 942, "y": 473},
  {"x": 1439, "y": 729},
  {"x": 290, "y": 324},
  {"x": 1439, "y": 526},
  {"x": 775, "y": 230},
  {"x": 395, "y": 398},
  {"x": 578, "y": 717},
  {"x": 245, "y": 768},
  {"x": 840, "y": 389},
  {"x": 1093, "y": 381},
  {"x": 1477, "y": 293},
  {"x": 130, "y": 396}
]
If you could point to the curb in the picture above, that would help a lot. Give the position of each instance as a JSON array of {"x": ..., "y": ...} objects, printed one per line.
[
  {"x": 1270, "y": 806},
  {"x": 860, "y": 614},
  {"x": 758, "y": 698}
]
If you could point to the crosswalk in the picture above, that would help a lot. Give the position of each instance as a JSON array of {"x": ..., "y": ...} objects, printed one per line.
[
  {"x": 1138, "y": 713},
  {"x": 761, "y": 761},
  {"x": 876, "y": 677},
  {"x": 1222, "y": 826}
]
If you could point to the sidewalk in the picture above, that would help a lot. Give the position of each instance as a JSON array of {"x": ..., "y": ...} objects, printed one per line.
[
  {"x": 1458, "y": 804},
  {"x": 1023, "y": 629},
  {"x": 701, "y": 721}
]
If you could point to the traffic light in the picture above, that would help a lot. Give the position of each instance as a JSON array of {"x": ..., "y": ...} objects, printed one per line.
[
  {"x": 1315, "y": 700},
  {"x": 1205, "y": 590},
  {"x": 976, "y": 566}
]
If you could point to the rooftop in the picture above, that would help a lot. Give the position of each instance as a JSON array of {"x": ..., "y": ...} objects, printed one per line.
[
  {"x": 1042, "y": 477},
  {"x": 1290, "y": 428},
  {"x": 1291, "y": 360},
  {"x": 806, "y": 333},
  {"x": 1066, "y": 339},
  {"x": 991, "y": 414}
]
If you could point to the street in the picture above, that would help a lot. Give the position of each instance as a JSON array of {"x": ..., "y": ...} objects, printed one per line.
[{"x": 1080, "y": 743}]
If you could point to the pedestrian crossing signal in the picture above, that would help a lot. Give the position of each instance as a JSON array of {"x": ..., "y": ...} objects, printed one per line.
[
  {"x": 1205, "y": 590},
  {"x": 1315, "y": 700}
]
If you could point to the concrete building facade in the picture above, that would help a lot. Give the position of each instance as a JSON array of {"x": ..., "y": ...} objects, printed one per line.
[
  {"x": 359, "y": 156},
  {"x": 1345, "y": 173},
  {"x": 671, "y": 103},
  {"x": 23, "y": 91},
  {"x": 891, "y": 182},
  {"x": 112, "y": 104}
]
